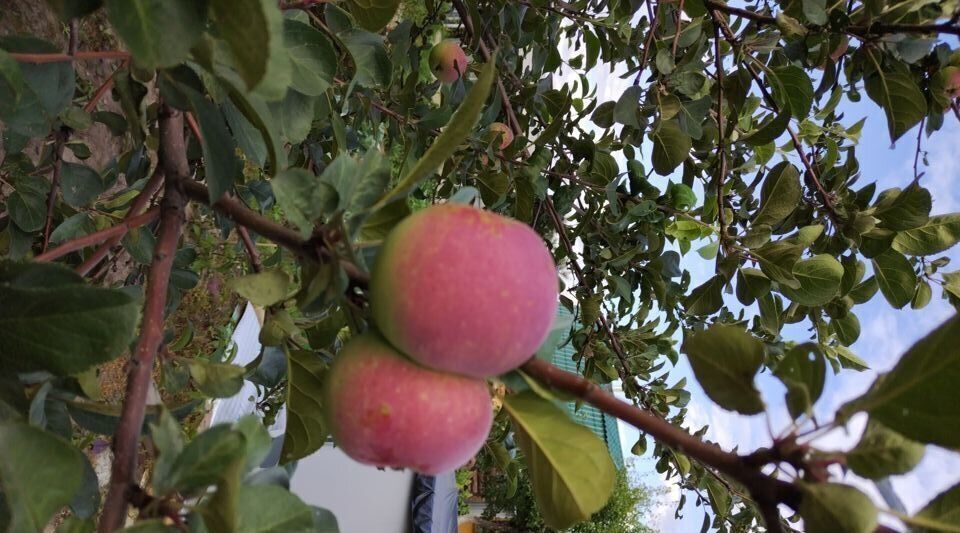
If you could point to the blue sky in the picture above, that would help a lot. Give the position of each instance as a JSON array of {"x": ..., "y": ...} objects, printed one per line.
[{"x": 886, "y": 333}]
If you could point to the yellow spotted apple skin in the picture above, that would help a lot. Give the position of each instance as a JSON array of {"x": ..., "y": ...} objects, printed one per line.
[
  {"x": 447, "y": 61},
  {"x": 387, "y": 411},
  {"x": 464, "y": 290},
  {"x": 503, "y": 131}
]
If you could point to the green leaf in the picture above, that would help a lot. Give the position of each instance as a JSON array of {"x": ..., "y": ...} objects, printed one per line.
[
  {"x": 570, "y": 468},
  {"x": 895, "y": 277},
  {"x": 944, "y": 509},
  {"x": 269, "y": 508},
  {"x": 12, "y": 85},
  {"x": 793, "y": 89},
  {"x": 819, "y": 279},
  {"x": 202, "y": 460},
  {"x": 41, "y": 473},
  {"x": 264, "y": 288},
  {"x": 373, "y": 15},
  {"x": 918, "y": 397},
  {"x": 779, "y": 195},
  {"x": 771, "y": 130},
  {"x": 909, "y": 210},
  {"x": 303, "y": 198},
  {"x": 803, "y": 370},
  {"x": 75, "y": 226},
  {"x": 670, "y": 146},
  {"x": 294, "y": 114},
  {"x": 815, "y": 11},
  {"x": 705, "y": 299},
  {"x": 217, "y": 380},
  {"x": 894, "y": 90},
  {"x": 253, "y": 29},
  {"x": 312, "y": 57},
  {"x": 305, "y": 432},
  {"x": 751, "y": 284},
  {"x": 64, "y": 329},
  {"x": 81, "y": 185},
  {"x": 847, "y": 328},
  {"x": 836, "y": 508},
  {"x": 883, "y": 452},
  {"x": 168, "y": 442},
  {"x": 160, "y": 33},
  {"x": 446, "y": 144},
  {"x": 27, "y": 204},
  {"x": 221, "y": 164},
  {"x": 370, "y": 58},
  {"x": 938, "y": 234},
  {"x": 777, "y": 260},
  {"x": 725, "y": 359}
]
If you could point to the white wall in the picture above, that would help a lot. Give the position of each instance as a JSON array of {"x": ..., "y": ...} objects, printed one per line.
[{"x": 363, "y": 498}]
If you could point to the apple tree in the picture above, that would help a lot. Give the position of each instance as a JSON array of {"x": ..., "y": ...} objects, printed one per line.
[{"x": 410, "y": 189}]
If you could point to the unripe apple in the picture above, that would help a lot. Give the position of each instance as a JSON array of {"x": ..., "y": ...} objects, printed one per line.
[
  {"x": 501, "y": 130},
  {"x": 953, "y": 82},
  {"x": 447, "y": 61},
  {"x": 837, "y": 52},
  {"x": 464, "y": 290},
  {"x": 387, "y": 411}
]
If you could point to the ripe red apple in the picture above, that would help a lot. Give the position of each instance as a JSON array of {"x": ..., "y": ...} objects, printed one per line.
[
  {"x": 387, "y": 411},
  {"x": 501, "y": 130},
  {"x": 464, "y": 290},
  {"x": 447, "y": 61}
]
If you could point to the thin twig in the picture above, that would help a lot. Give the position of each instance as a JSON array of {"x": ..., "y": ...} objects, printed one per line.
[
  {"x": 139, "y": 204},
  {"x": 679, "y": 25},
  {"x": 126, "y": 440},
  {"x": 721, "y": 140},
  {"x": 251, "y": 249},
  {"x": 916, "y": 156},
  {"x": 103, "y": 88},
  {"x": 282, "y": 235},
  {"x": 80, "y": 243},
  {"x": 60, "y": 141},
  {"x": 79, "y": 56}
]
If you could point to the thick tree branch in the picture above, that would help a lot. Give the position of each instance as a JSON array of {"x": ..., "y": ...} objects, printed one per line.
[
  {"x": 766, "y": 490},
  {"x": 80, "y": 243},
  {"x": 126, "y": 440}
]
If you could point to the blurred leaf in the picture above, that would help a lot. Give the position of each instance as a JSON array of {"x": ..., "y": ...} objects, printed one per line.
[
  {"x": 41, "y": 474},
  {"x": 370, "y": 58},
  {"x": 883, "y": 452},
  {"x": 803, "y": 370},
  {"x": 63, "y": 329},
  {"x": 217, "y": 380},
  {"x": 705, "y": 299},
  {"x": 836, "y": 508},
  {"x": 373, "y": 15},
  {"x": 264, "y": 288},
  {"x": 253, "y": 29},
  {"x": 943, "y": 509},
  {"x": 918, "y": 397},
  {"x": 203, "y": 459},
  {"x": 570, "y": 468},
  {"x": 160, "y": 33},
  {"x": 268, "y": 508},
  {"x": 725, "y": 359},
  {"x": 312, "y": 57}
]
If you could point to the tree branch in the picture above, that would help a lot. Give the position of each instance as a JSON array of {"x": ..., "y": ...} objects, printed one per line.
[
  {"x": 118, "y": 230},
  {"x": 126, "y": 440},
  {"x": 282, "y": 235},
  {"x": 251, "y": 249},
  {"x": 79, "y": 56},
  {"x": 766, "y": 490},
  {"x": 877, "y": 29},
  {"x": 60, "y": 141},
  {"x": 136, "y": 208}
]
